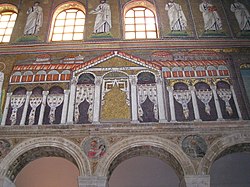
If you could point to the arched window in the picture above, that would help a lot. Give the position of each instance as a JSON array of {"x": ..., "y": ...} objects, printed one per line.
[
  {"x": 68, "y": 22},
  {"x": 8, "y": 15},
  {"x": 140, "y": 21}
]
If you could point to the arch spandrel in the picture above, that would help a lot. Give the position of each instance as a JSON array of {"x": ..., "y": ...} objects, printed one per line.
[
  {"x": 73, "y": 151},
  {"x": 140, "y": 141},
  {"x": 219, "y": 147}
]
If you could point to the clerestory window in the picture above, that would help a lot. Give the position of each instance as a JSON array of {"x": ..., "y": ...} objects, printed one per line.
[
  {"x": 68, "y": 23},
  {"x": 140, "y": 23}
]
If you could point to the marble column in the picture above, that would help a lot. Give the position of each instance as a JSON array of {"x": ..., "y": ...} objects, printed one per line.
[
  {"x": 236, "y": 102},
  {"x": 5, "y": 182},
  {"x": 42, "y": 109},
  {"x": 25, "y": 108},
  {"x": 97, "y": 100},
  {"x": 65, "y": 106},
  {"x": 160, "y": 97},
  {"x": 72, "y": 100},
  {"x": 171, "y": 103},
  {"x": 6, "y": 108},
  {"x": 197, "y": 180},
  {"x": 195, "y": 105},
  {"x": 217, "y": 103},
  {"x": 92, "y": 181},
  {"x": 134, "y": 107}
]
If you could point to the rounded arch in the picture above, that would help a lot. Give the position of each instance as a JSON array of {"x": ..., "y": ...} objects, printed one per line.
[
  {"x": 118, "y": 71},
  {"x": 10, "y": 166},
  {"x": 146, "y": 78},
  {"x": 180, "y": 85},
  {"x": 144, "y": 141},
  {"x": 220, "y": 148},
  {"x": 86, "y": 78},
  {"x": 20, "y": 91},
  {"x": 140, "y": 3},
  {"x": 146, "y": 71},
  {"x": 8, "y": 7},
  {"x": 223, "y": 84}
]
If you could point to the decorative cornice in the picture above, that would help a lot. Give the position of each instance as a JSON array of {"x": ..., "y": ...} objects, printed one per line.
[{"x": 123, "y": 45}]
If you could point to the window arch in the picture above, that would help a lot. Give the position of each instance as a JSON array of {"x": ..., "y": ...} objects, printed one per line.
[
  {"x": 8, "y": 15},
  {"x": 68, "y": 22},
  {"x": 140, "y": 20}
]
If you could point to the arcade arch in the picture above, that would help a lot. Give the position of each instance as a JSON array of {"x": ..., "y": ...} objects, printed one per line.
[
  {"x": 21, "y": 155},
  {"x": 151, "y": 146}
]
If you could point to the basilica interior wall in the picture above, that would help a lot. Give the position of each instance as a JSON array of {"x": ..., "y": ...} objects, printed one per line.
[{"x": 181, "y": 97}]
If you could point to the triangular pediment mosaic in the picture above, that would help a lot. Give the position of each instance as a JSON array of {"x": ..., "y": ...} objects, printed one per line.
[{"x": 116, "y": 61}]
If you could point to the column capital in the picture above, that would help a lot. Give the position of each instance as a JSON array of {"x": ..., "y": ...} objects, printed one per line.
[
  {"x": 133, "y": 79},
  {"x": 197, "y": 180},
  {"x": 98, "y": 80},
  {"x": 46, "y": 93},
  {"x": 213, "y": 87},
  {"x": 1, "y": 76},
  {"x": 6, "y": 182},
  {"x": 66, "y": 92},
  {"x": 158, "y": 80},
  {"x": 73, "y": 80},
  {"x": 92, "y": 181},
  {"x": 9, "y": 94},
  {"x": 191, "y": 88},
  {"x": 170, "y": 88},
  {"x": 28, "y": 93}
]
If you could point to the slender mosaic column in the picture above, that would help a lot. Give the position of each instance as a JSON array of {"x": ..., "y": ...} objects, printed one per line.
[
  {"x": 195, "y": 105},
  {"x": 171, "y": 103},
  {"x": 236, "y": 102},
  {"x": 25, "y": 109},
  {"x": 72, "y": 100},
  {"x": 6, "y": 108},
  {"x": 162, "y": 112},
  {"x": 133, "y": 82},
  {"x": 97, "y": 100},
  {"x": 42, "y": 109},
  {"x": 217, "y": 103},
  {"x": 65, "y": 106}
]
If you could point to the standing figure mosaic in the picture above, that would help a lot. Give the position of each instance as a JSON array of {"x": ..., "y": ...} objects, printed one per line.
[
  {"x": 103, "y": 17},
  {"x": 242, "y": 15},
  {"x": 212, "y": 20},
  {"x": 34, "y": 20},
  {"x": 177, "y": 19}
]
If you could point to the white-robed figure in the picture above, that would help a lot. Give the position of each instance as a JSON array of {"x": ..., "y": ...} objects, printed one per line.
[
  {"x": 34, "y": 20},
  {"x": 212, "y": 20},
  {"x": 177, "y": 19},
  {"x": 241, "y": 14},
  {"x": 103, "y": 17}
]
